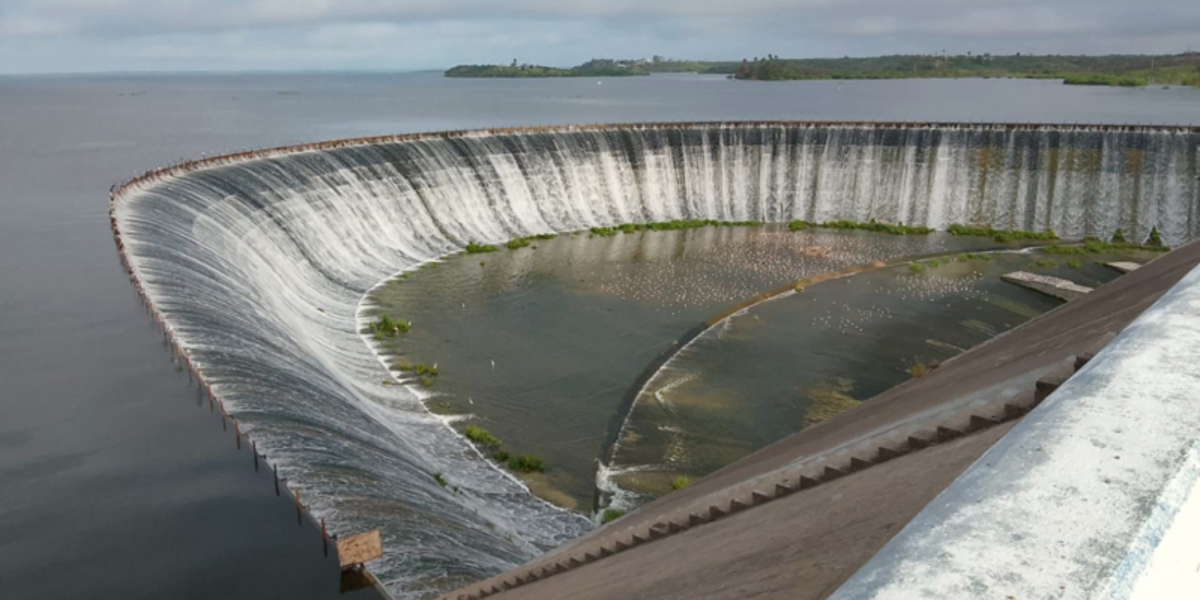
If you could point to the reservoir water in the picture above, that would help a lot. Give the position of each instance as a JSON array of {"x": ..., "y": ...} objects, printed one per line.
[
  {"x": 114, "y": 480},
  {"x": 557, "y": 349},
  {"x": 800, "y": 358},
  {"x": 544, "y": 346}
]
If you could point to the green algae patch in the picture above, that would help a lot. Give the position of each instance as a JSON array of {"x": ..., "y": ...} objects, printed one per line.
[
  {"x": 611, "y": 514},
  {"x": 656, "y": 483},
  {"x": 827, "y": 400},
  {"x": 481, "y": 436},
  {"x": 477, "y": 248},
  {"x": 543, "y": 486},
  {"x": 1002, "y": 235},
  {"x": 680, "y": 482}
]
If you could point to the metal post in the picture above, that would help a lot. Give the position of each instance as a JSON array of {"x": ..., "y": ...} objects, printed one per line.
[{"x": 275, "y": 471}]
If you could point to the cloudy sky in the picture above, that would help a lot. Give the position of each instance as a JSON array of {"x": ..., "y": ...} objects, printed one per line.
[{"x": 39, "y": 36}]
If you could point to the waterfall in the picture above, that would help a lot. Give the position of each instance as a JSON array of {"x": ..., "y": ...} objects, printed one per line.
[{"x": 260, "y": 264}]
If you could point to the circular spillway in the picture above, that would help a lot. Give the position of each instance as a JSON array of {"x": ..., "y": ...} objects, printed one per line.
[{"x": 256, "y": 264}]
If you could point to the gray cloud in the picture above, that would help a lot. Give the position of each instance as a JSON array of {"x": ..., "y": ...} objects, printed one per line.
[{"x": 89, "y": 35}]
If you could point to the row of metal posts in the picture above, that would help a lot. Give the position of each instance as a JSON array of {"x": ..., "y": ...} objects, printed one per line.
[{"x": 178, "y": 352}]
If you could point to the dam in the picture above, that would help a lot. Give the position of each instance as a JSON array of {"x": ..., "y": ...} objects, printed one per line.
[{"x": 257, "y": 265}]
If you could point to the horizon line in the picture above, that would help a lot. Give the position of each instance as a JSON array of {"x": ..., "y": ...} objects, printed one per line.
[{"x": 410, "y": 70}]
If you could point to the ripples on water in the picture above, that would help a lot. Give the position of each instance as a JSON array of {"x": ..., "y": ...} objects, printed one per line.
[
  {"x": 718, "y": 266},
  {"x": 798, "y": 359},
  {"x": 543, "y": 346}
]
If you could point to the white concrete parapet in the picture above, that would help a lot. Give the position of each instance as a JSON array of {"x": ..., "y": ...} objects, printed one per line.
[{"x": 1094, "y": 495}]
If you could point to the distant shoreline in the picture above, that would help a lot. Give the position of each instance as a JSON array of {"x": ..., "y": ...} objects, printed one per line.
[
  {"x": 1116, "y": 70},
  {"x": 595, "y": 68}
]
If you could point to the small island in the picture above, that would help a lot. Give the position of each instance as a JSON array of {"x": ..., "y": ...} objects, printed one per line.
[
  {"x": 594, "y": 68},
  {"x": 1116, "y": 70}
]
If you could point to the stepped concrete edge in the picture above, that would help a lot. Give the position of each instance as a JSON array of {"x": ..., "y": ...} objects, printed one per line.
[{"x": 1078, "y": 500}]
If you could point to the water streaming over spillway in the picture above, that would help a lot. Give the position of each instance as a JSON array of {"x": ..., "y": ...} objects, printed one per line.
[{"x": 259, "y": 265}]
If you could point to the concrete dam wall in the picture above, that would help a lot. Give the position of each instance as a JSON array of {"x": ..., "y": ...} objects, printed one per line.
[{"x": 257, "y": 265}]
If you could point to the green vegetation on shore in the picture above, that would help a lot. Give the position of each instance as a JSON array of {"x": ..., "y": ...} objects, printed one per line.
[
  {"x": 1116, "y": 70},
  {"x": 1106, "y": 79},
  {"x": 1154, "y": 241},
  {"x": 1113, "y": 70},
  {"x": 872, "y": 225},
  {"x": 592, "y": 68},
  {"x": 877, "y": 227},
  {"x": 385, "y": 326},
  {"x": 973, "y": 256},
  {"x": 933, "y": 263},
  {"x": 522, "y": 242},
  {"x": 421, "y": 369},
  {"x": 525, "y": 463},
  {"x": 477, "y": 248},
  {"x": 828, "y": 399},
  {"x": 481, "y": 436},
  {"x": 920, "y": 367},
  {"x": 1093, "y": 245},
  {"x": 513, "y": 244},
  {"x": 1002, "y": 235},
  {"x": 611, "y": 514},
  {"x": 675, "y": 225},
  {"x": 424, "y": 373}
]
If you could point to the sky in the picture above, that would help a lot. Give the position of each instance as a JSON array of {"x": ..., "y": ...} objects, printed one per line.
[{"x": 78, "y": 36}]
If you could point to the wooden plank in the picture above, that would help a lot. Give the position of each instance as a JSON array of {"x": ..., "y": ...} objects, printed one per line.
[{"x": 358, "y": 549}]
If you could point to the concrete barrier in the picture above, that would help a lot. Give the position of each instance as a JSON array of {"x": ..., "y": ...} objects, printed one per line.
[{"x": 1093, "y": 495}]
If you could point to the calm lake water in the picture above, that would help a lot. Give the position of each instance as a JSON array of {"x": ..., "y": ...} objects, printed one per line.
[
  {"x": 799, "y": 359},
  {"x": 546, "y": 347},
  {"x": 543, "y": 346},
  {"x": 114, "y": 481}
]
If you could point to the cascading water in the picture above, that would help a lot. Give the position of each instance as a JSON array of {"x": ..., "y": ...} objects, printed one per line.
[{"x": 259, "y": 265}]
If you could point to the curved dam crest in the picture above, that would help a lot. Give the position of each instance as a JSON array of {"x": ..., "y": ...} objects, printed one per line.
[{"x": 257, "y": 264}]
